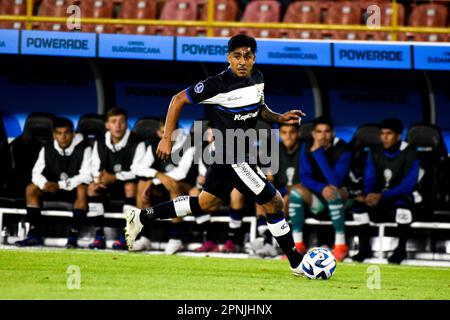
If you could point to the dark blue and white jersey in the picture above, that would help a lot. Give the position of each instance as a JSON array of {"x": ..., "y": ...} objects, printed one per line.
[{"x": 235, "y": 102}]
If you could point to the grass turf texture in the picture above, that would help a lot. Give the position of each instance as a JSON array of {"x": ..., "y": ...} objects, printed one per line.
[{"x": 42, "y": 274}]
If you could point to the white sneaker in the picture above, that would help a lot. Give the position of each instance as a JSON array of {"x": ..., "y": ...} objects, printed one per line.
[
  {"x": 143, "y": 244},
  {"x": 173, "y": 246},
  {"x": 252, "y": 247},
  {"x": 298, "y": 272},
  {"x": 133, "y": 226},
  {"x": 267, "y": 250}
]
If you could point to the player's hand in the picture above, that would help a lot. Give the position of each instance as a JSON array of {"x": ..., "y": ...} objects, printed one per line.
[
  {"x": 51, "y": 187},
  {"x": 107, "y": 178},
  {"x": 164, "y": 149},
  {"x": 372, "y": 199},
  {"x": 329, "y": 192},
  {"x": 292, "y": 117}
]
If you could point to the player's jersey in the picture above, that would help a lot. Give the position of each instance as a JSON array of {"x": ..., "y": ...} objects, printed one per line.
[
  {"x": 288, "y": 172},
  {"x": 235, "y": 102}
]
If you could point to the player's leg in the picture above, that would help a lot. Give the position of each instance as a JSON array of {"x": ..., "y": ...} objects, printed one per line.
[
  {"x": 175, "y": 243},
  {"x": 79, "y": 211},
  {"x": 34, "y": 237},
  {"x": 361, "y": 214},
  {"x": 235, "y": 235},
  {"x": 129, "y": 191},
  {"x": 403, "y": 217},
  {"x": 143, "y": 200},
  {"x": 337, "y": 213},
  {"x": 97, "y": 215},
  {"x": 298, "y": 198}
]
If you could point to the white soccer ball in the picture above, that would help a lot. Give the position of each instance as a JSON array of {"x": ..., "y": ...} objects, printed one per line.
[{"x": 319, "y": 263}]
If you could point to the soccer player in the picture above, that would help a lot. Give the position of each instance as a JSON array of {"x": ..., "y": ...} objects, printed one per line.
[
  {"x": 61, "y": 172},
  {"x": 324, "y": 167},
  {"x": 114, "y": 158},
  {"x": 237, "y": 99},
  {"x": 283, "y": 180},
  {"x": 390, "y": 177}
]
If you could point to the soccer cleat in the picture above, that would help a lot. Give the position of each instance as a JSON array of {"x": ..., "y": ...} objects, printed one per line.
[
  {"x": 98, "y": 243},
  {"x": 174, "y": 246},
  {"x": 133, "y": 226},
  {"x": 398, "y": 256},
  {"x": 229, "y": 247},
  {"x": 72, "y": 242},
  {"x": 301, "y": 247},
  {"x": 267, "y": 250},
  {"x": 143, "y": 244},
  {"x": 340, "y": 251},
  {"x": 120, "y": 244},
  {"x": 298, "y": 271},
  {"x": 30, "y": 241},
  {"x": 208, "y": 246}
]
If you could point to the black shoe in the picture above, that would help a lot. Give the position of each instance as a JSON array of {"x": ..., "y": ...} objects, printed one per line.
[
  {"x": 398, "y": 256},
  {"x": 72, "y": 243},
  {"x": 31, "y": 241},
  {"x": 362, "y": 255}
]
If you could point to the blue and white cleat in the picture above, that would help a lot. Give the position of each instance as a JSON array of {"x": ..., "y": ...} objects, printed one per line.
[{"x": 133, "y": 226}]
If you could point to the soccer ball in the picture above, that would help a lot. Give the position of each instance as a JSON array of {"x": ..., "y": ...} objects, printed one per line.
[{"x": 319, "y": 263}]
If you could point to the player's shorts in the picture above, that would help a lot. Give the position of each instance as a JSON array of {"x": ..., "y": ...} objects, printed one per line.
[
  {"x": 61, "y": 195},
  {"x": 386, "y": 209},
  {"x": 115, "y": 190},
  {"x": 246, "y": 178}
]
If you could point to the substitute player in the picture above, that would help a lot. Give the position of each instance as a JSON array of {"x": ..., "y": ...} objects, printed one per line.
[{"x": 236, "y": 96}]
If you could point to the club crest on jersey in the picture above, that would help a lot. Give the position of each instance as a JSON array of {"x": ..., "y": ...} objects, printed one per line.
[
  {"x": 117, "y": 168},
  {"x": 63, "y": 176},
  {"x": 199, "y": 87}
]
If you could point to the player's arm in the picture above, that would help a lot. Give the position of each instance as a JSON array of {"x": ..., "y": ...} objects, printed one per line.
[
  {"x": 290, "y": 117},
  {"x": 173, "y": 113}
]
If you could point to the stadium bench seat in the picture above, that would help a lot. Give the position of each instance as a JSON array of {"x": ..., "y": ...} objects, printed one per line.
[
  {"x": 266, "y": 11},
  {"x": 147, "y": 127},
  {"x": 24, "y": 150},
  {"x": 14, "y": 8},
  {"x": 432, "y": 154},
  {"x": 365, "y": 137},
  {"x": 344, "y": 13},
  {"x": 427, "y": 15},
  {"x": 302, "y": 12},
  {"x": 224, "y": 10},
  {"x": 91, "y": 126},
  {"x": 137, "y": 9},
  {"x": 97, "y": 9},
  {"x": 181, "y": 10},
  {"x": 53, "y": 8}
]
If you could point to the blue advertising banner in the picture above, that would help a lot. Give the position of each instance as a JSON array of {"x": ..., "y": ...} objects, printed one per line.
[
  {"x": 428, "y": 57},
  {"x": 59, "y": 43},
  {"x": 135, "y": 47},
  {"x": 363, "y": 55},
  {"x": 294, "y": 53},
  {"x": 9, "y": 41},
  {"x": 201, "y": 49}
]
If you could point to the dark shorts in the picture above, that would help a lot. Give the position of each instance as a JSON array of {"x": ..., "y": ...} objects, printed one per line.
[
  {"x": 385, "y": 211},
  {"x": 246, "y": 178},
  {"x": 61, "y": 195},
  {"x": 115, "y": 190}
]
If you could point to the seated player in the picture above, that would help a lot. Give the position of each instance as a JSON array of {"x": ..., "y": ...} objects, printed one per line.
[
  {"x": 390, "y": 177},
  {"x": 61, "y": 172},
  {"x": 113, "y": 160},
  {"x": 324, "y": 167},
  {"x": 283, "y": 180},
  {"x": 162, "y": 181}
]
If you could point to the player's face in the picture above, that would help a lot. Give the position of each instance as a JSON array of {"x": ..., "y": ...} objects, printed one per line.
[
  {"x": 63, "y": 136},
  {"x": 323, "y": 135},
  {"x": 117, "y": 125},
  {"x": 288, "y": 136},
  {"x": 389, "y": 138},
  {"x": 241, "y": 61}
]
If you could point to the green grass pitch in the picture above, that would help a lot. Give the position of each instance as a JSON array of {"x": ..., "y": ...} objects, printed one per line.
[{"x": 42, "y": 274}]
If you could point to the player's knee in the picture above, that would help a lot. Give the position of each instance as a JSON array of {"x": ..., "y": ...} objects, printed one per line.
[
  {"x": 92, "y": 190},
  {"x": 130, "y": 189},
  {"x": 32, "y": 191},
  {"x": 276, "y": 204}
]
